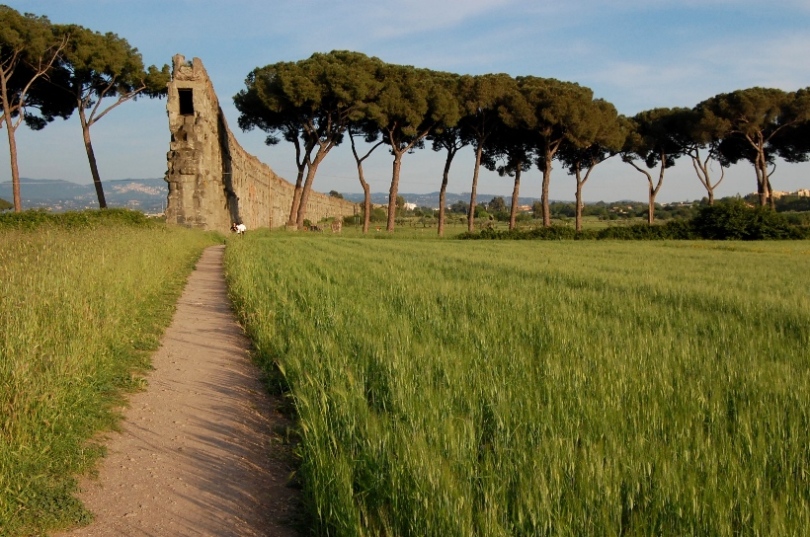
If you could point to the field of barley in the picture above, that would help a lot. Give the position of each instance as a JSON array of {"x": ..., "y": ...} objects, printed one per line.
[
  {"x": 82, "y": 305},
  {"x": 447, "y": 388}
]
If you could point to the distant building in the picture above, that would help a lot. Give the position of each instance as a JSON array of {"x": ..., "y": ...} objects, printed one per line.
[{"x": 801, "y": 193}]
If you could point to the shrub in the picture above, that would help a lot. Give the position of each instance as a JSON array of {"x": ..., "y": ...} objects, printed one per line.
[
  {"x": 725, "y": 221},
  {"x": 798, "y": 219},
  {"x": 541, "y": 233},
  {"x": 353, "y": 220},
  {"x": 734, "y": 220},
  {"x": 378, "y": 214},
  {"x": 677, "y": 229}
]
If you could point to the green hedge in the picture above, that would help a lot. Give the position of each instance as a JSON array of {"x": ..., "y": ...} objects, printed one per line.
[{"x": 35, "y": 219}]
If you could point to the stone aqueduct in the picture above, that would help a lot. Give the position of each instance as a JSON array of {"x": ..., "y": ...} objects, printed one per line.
[{"x": 212, "y": 180}]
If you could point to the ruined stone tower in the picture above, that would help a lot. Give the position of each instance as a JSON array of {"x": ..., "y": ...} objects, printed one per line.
[{"x": 212, "y": 180}]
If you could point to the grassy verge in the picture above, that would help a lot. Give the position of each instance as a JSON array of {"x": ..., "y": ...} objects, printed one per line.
[
  {"x": 83, "y": 301},
  {"x": 566, "y": 388}
]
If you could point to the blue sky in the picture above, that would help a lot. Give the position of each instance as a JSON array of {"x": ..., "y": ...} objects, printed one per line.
[{"x": 637, "y": 54}]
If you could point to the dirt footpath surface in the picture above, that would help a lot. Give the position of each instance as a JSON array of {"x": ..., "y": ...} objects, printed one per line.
[{"x": 197, "y": 454}]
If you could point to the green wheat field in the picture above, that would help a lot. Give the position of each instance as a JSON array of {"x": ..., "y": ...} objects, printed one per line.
[
  {"x": 441, "y": 387},
  {"x": 448, "y": 388}
]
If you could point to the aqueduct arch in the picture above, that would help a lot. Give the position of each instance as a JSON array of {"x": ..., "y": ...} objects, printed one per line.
[{"x": 212, "y": 180}]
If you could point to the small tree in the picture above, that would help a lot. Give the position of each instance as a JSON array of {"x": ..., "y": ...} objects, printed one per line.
[
  {"x": 753, "y": 125},
  {"x": 701, "y": 136},
  {"x": 370, "y": 135},
  {"x": 510, "y": 154},
  {"x": 95, "y": 67},
  {"x": 460, "y": 207},
  {"x": 29, "y": 48},
  {"x": 410, "y": 105},
  {"x": 497, "y": 204},
  {"x": 481, "y": 99},
  {"x": 553, "y": 110},
  {"x": 598, "y": 137},
  {"x": 794, "y": 144},
  {"x": 656, "y": 139},
  {"x": 311, "y": 103},
  {"x": 279, "y": 120},
  {"x": 450, "y": 139}
]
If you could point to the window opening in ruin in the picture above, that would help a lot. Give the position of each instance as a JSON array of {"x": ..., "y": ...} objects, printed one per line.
[{"x": 186, "y": 102}]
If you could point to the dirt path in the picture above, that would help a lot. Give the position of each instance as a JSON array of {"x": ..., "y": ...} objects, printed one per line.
[{"x": 197, "y": 454}]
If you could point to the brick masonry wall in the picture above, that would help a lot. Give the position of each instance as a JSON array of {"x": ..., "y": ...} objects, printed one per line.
[{"x": 212, "y": 180}]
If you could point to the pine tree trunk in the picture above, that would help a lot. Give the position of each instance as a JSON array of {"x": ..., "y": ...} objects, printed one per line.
[
  {"x": 362, "y": 177},
  {"x": 296, "y": 196},
  {"x": 366, "y": 207},
  {"x": 471, "y": 217},
  {"x": 762, "y": 177},
  {"x": 12, "y": 142},
  {"x": 312, "y": 168},
  {"x": 515, "y": 196},
  {"x": 91, "y": 157},
  {"x": 443, "y": 190},
  {"x": 366, "y": 197},
  {"x": 15, "y": 170},
  {"x": 307, "y": 188},
  {"x": 392, "y": 193},
  {"x": 544, "y": 194}
]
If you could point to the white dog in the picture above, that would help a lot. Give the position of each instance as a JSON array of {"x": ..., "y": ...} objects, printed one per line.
[{"x": 239, "y": 228}]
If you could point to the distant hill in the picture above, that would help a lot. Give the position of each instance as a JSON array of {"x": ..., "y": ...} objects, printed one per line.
[{"x": 147, "y": 195}]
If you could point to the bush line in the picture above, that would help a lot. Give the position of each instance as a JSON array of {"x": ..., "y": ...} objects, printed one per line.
[{"x": 724, "y": 221}]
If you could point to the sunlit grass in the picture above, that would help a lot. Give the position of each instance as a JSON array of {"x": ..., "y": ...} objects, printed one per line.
[
  {"x": 79, "y": 311},
  {"x": 551, "y": 388}
]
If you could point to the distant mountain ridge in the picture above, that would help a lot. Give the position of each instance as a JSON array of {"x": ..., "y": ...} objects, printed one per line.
[
  {"x": 146, "y": 195},
  {"x": 149, "y": 195}
]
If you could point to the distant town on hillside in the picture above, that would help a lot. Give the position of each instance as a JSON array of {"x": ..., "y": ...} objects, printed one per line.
[{"x": 146, "y": 195}]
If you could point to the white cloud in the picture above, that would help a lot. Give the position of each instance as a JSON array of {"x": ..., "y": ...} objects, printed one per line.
[
  {"x": 698, "y": 71},
  {"x": 779, "y": 61},
  {"x": 407, "y": 17},
  {"x": 633, "y": 87}
]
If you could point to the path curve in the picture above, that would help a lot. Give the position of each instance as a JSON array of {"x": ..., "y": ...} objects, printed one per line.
[{"x": 197, "y": 454}]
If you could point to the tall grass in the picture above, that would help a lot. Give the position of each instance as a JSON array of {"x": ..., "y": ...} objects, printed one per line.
[
  {"x": 80, "y": 307},
  {"x": 447, "y": 388}
]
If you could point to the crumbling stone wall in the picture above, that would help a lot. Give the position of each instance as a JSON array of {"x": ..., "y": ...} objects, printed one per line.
[{"x": 212, "y": 180}]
